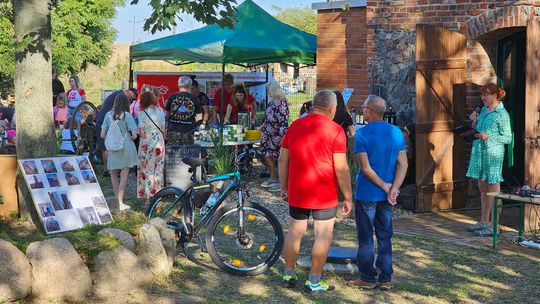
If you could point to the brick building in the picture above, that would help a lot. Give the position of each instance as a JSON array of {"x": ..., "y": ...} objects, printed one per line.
[{"x": 427, "y": 58}]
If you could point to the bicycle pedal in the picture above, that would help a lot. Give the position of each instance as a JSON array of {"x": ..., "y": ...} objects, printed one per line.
[{"x": 202, "y": 244}]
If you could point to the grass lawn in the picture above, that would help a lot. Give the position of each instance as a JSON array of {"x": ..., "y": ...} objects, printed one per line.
[{"x": 425, "y": 271}]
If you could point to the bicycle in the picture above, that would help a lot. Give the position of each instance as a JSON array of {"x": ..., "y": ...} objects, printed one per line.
[{"x": 243, "y": 239}]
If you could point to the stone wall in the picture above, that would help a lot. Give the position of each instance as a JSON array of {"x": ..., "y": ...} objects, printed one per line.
[{"x": 393, "y": 71}]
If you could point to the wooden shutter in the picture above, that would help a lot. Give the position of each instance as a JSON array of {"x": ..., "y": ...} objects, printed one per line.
[
  {"x": 441, "y": 62},
  {"x": 532, "y": 115}
]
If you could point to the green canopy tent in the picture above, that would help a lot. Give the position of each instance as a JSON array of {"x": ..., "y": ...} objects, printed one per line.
[{"x": 256, "y": 38}]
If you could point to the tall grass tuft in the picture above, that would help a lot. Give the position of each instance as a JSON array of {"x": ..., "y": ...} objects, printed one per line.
[{"x": 221, "y": 157}]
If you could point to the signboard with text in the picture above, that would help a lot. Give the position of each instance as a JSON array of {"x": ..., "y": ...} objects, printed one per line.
[{"x": 209, "y": 82}]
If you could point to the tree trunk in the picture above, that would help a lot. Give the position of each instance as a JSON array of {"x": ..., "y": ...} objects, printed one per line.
[{"x": 33, "y": 90}]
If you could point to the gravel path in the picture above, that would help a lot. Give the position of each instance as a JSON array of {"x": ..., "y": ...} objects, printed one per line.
[{"x": 272, "y": 201}]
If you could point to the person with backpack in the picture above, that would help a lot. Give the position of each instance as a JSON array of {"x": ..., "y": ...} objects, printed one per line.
[{"x": 119, "y": 131}]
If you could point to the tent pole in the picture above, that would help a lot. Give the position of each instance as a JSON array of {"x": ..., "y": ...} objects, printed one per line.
[
  {"x": 221, "y": 116},
  {"x": 130, "y": 81},
  {"x": 266, "y": 97}
]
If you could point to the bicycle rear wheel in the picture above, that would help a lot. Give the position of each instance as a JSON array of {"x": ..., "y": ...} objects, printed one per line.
[{"x": 250, "y": 253}]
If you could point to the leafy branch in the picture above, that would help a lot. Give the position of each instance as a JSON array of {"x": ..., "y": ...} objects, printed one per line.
[{"x": 166, "y": 12}]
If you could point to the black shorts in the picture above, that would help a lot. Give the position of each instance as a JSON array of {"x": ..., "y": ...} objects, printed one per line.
[{"x": 318, "y": 214}]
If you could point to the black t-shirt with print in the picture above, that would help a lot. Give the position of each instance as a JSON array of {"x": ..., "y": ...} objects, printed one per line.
[{"x": 182, "y": 108}]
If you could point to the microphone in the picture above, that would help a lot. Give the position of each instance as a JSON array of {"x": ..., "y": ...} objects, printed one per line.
[{"x": 477, "y": 111}]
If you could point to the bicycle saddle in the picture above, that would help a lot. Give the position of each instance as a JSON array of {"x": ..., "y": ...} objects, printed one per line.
[{"x": 193, "y": 162}]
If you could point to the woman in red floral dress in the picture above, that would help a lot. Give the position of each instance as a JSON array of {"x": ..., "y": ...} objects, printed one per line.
[
  {"x": 151, "y": 148},
  {"x": 275, "y": 124}
]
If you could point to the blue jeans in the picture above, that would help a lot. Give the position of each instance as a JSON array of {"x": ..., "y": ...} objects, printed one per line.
[{"x": 376, "y": 215}]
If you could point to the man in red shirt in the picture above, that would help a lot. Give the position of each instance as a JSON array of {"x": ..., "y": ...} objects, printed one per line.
[
  {"x": 312, "y": 164},
  {"x": 228, "y": 81}
]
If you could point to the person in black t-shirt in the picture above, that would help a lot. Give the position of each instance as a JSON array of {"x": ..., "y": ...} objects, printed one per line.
[
  {"x": 343, "y": 117},
  {"x": 203, "y": 99},
  {"x": 183, "y": 111},
  {"x": 57, "y": 86}
]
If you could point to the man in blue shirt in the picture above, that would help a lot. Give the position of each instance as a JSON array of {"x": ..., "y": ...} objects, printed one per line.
[{"x": 381, "y": 151}]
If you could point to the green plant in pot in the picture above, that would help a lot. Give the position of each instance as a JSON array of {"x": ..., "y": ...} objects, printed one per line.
[{"x": 221, "y": 157}]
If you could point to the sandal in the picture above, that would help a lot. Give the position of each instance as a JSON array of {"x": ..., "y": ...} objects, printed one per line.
[
  {"x": 485, "y": 231},
  {"x": 474, "y": 227}
]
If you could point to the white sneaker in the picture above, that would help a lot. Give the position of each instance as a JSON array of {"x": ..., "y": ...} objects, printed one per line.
[
  {"x": 276, "y": 187},
  {"x": 268, "y": 183},
  {"x": 123, "y": 207}
]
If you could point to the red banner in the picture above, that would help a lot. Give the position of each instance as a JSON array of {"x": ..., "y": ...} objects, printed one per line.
[
  {"x": 209, "y": 82},
  {"x": 166, "y": 83}
]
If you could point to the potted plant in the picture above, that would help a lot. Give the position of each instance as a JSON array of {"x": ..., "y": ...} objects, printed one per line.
[{"x": 221, "y": 157}]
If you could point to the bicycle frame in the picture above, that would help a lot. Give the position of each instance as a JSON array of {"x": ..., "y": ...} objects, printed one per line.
[{"x": 189, "y": 209}]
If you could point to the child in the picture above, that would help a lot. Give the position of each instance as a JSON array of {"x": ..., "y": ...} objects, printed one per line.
[
  {"x": 66, "y": 147},
  {"x": 88, "y": 132},
  {"x": 60, "y": 111}
]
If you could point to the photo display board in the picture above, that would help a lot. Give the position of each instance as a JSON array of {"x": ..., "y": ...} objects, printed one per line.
[{"x": 65, "y": 192}]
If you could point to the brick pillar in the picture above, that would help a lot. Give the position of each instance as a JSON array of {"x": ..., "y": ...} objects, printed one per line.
[{"x": 341, "y": 52}]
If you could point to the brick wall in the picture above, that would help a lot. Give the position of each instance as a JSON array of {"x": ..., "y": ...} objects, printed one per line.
[
  {"x": 346, "y": 39},
  {"x": 341, "y": 52}
]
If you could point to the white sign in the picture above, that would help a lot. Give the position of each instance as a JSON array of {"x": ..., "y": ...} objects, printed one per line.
[
  {"x": 347, "y": 93},
  {"x": 65, "y": 192}
]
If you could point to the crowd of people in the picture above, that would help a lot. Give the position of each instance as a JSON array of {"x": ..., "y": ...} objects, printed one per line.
[{"x": 306, "y": 160}]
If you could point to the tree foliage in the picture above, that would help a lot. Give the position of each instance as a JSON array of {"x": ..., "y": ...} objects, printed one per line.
[
  {"x": 7, "y": 50},
  {"x": 82, "y": 34},
  {"x": 302, "y": 18},
  {"x": 166, "y": 12}
]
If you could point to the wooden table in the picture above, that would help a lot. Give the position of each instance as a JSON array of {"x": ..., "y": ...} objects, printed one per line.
[{"x": 510, "y": 200}]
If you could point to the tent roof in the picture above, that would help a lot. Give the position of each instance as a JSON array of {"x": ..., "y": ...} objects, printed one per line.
[{"x": 256, "y": 38}]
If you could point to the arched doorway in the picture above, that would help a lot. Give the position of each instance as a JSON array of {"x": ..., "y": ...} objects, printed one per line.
[{"x": 510, "y": 69}]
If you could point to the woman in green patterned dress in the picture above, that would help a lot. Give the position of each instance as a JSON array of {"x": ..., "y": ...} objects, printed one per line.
[{"x": 493, "y": 125}]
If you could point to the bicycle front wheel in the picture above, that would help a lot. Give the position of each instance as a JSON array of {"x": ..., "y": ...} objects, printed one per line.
[
  {"x": 246, "y": 253},
  {"x": 164, "y": 203}
]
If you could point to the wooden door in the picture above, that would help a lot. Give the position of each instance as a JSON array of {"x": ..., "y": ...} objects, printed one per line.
[
  {"x": 532, "y": 116},
  {"x": 441, "y": 62}
]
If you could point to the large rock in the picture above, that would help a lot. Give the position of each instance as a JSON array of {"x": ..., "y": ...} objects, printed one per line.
[
  {"x": 124, "y": 237},
  {"x": 15, "y": 273},
  {"x": 58, "y": 271},
  {"x": 151, "y": 251},
  {"x": 168, "y": 238},
  {"x": 118, "y": 272}
]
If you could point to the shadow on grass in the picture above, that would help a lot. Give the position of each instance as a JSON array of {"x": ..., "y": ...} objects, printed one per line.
[{"x": 425, "y": 271}]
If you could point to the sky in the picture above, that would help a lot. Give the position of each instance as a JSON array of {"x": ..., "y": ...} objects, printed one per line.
[{"x": 129, "y": 19}]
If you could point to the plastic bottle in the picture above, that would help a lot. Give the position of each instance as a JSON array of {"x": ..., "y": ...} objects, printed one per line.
[
  {"x": 210, "y": 202},
  {"x": 353, "y": 115},
  {"x": 361, "y": 119}
]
